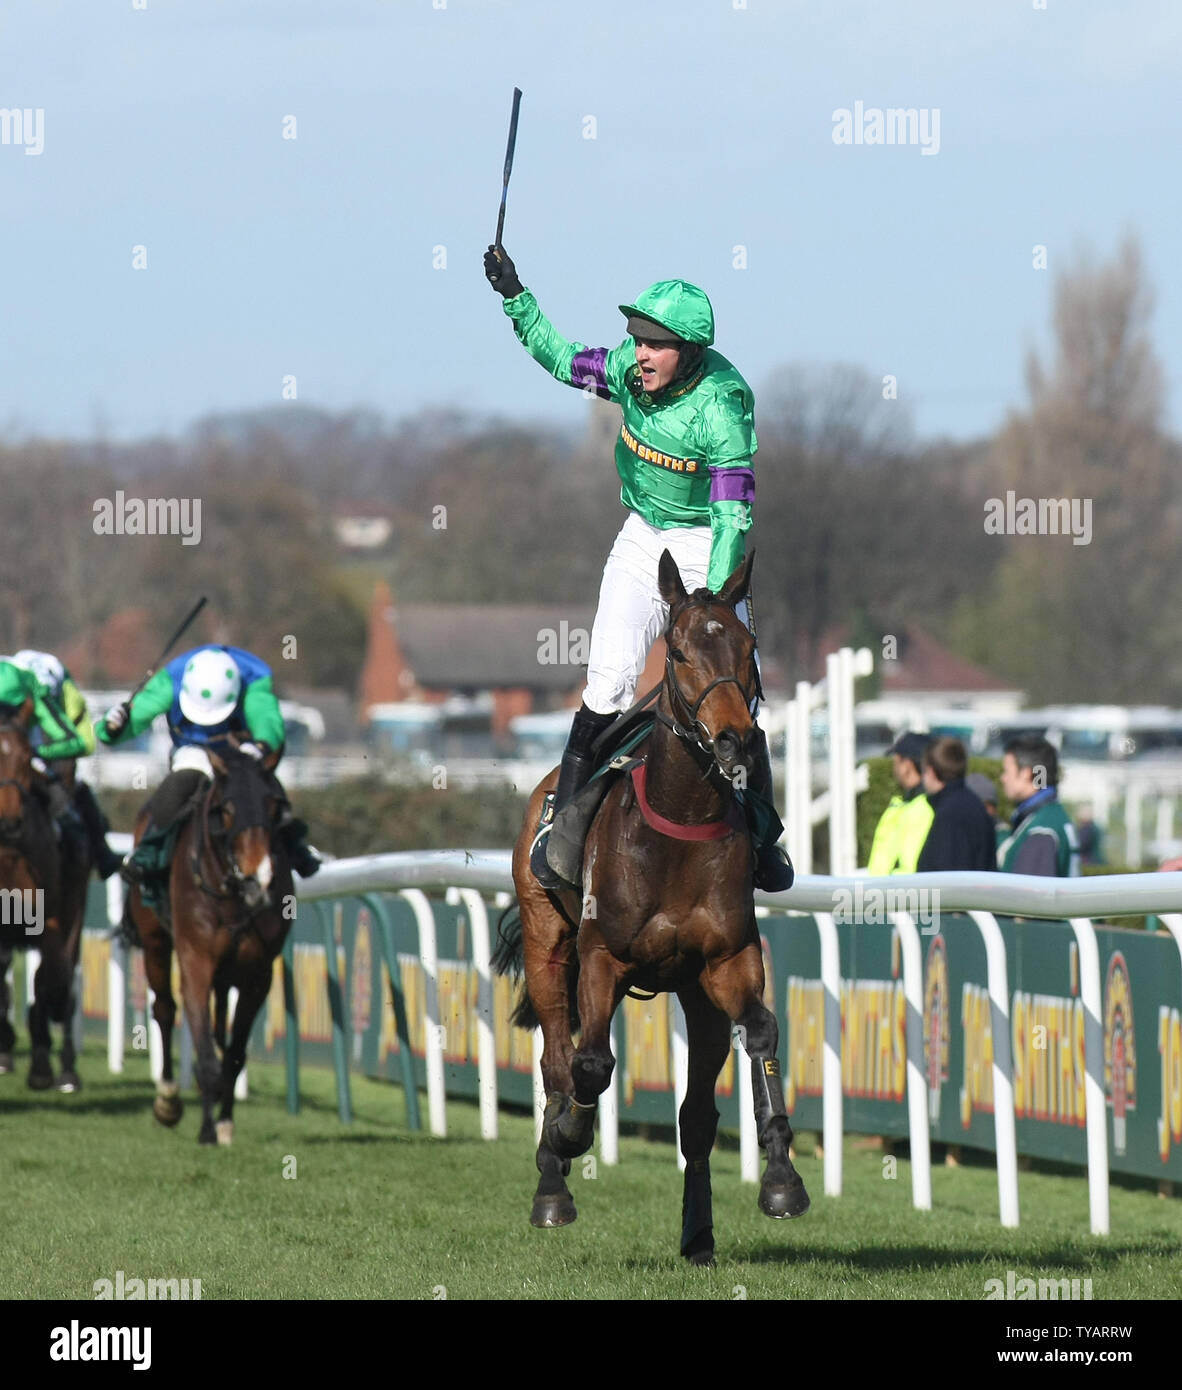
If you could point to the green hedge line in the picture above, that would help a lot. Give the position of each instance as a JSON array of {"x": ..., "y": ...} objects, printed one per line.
[{"x": 369, "y": 816}]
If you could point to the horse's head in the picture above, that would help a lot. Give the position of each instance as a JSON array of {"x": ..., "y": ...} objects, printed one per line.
[
  {"x": 710, "y": 676},
  {"x": 16, "y": 766},
  {"x": 244, "y": 803}
]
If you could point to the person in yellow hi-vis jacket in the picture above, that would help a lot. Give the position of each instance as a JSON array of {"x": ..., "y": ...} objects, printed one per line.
[{"x": 903, "y": 827}]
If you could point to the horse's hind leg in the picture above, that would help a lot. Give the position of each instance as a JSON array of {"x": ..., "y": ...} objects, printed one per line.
[
  {"x": 736, "y": 986},
  {"x": 548, "y": 958},
  {"x": 167, "y": 1106},
  {"x": 197, "y": 984},
  {"x": 251, "y": 996},
  {"x": 709, "y": 1034}
]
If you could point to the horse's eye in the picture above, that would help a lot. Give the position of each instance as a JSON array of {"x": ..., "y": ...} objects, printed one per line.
[{"x": 677, "y": 654}]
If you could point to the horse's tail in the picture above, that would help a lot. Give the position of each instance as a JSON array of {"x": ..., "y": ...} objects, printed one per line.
[{"x": 508, "y": 959}]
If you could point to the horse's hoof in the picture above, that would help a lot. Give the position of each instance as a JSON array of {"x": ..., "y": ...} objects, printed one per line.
[
  {"x": 5, "y": 1063},
  {"x": 69, "y": 1082},
  {"x": 702, "y": 1259},
  {"x": 168, "y": 1110},
  {"x": 41, "y": 1071},
  {"x": 225, "y": 1133},
  {"x": 207, "y": 1135},
  {"x": 780, "y": 1199},
  {"x": 555, "y": 1210}
]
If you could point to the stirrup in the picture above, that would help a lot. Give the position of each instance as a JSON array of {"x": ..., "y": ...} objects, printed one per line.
[
  {"x": 131, "y": 872},
  {"x": 539, "y": 865},
  {"x": 773, "y": 869}
]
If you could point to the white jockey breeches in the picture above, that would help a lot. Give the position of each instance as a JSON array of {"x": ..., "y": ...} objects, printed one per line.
[
  {"x": 191, "y": 758},
  {"x": 631, "y": 613}
]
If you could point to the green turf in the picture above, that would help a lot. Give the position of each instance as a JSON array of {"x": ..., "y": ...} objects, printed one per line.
[{"x": 93, "y": 1185}]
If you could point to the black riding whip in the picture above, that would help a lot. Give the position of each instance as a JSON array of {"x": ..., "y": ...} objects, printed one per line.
[
  {"x": 168, "y": 646},
  {"x": 509, "y": 148}
]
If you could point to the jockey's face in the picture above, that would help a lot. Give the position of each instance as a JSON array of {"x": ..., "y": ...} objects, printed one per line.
[{"x": 657, "y": 362}]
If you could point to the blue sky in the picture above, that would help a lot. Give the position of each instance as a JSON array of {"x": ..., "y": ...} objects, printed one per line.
[{"x": 713, "y": 129}]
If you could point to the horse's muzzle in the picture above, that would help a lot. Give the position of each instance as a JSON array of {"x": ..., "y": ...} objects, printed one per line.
[
  {"x": 10, "y": 829},
  {"x": 254, "y": 895},
  {"x": 733, "y": 751}
]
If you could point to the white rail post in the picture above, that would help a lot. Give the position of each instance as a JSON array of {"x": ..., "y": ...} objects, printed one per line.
[
  {"x": 680, "y": 1057},
  {"x": 800, "y": 780},
  {"x": 539, "y": 1086},
  {"x": 1004, "y": 1132},
  {"x": 241, "y": 1089},
  {"x": 486, "y": 1056},
  {"x": 832, "y": 1120},
  {"x": 155, "y": 1039},
  {"x": 1096, "y": 1109},
  {"x": 609, "y": 1110},
  {"x": 429, "y": 955},
  {"x": 32, "y": 965},
  {"x": 748, "y": 1138},
  {"x": 1133, "y": 797},
  {"x": 917, "y": 1110}
]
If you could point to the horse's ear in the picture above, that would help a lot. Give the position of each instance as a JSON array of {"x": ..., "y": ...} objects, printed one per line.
[
  {"x": 735, "y": 588},
  {"x": 271, "y": 761},
  {"x": 669, "y": 579},
  {"x": 24, "y": 715},
  {"x": 218, "y": 762}
]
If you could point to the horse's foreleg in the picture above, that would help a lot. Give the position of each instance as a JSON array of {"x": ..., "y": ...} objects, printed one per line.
[
  {"x": 736, "y": 986},
  {"x": 167, "y": 1106},
  {"x": 50, "y": 994},
  {"x": 570, "y": 1118},
  {"x": 196, "y": 984},
  {"x": 709, "y": 1034},
  {"x": 251, "y": 996}
]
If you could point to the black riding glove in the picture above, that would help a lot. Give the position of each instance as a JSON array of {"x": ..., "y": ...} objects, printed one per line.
[{"x": 501, "y": 274}]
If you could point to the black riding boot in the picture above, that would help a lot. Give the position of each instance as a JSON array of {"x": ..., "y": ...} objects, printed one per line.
[
  {"x": 106, "y": 861},
  {"x": 578, "y": 763},
  {"x": 773, "y": 868},
  {"x": 294, "y": 834}
]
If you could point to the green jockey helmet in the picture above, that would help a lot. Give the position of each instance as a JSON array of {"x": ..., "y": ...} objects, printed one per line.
[
  {"x": 14, "y": 690},
  {"x": 680, "y": 307}
]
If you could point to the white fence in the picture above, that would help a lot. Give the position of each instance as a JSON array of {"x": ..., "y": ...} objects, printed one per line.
[{"x": 467, "y": 876}]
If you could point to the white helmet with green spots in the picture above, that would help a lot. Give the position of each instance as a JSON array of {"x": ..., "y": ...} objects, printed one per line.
[{"x": 210, "y": 686}]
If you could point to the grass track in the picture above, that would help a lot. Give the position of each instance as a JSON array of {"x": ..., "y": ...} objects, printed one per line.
[{"x": 94, "y": 1185}]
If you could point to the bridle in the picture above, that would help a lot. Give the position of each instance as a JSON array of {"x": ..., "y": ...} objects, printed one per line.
[
  {"x": 10, "y": 828},
  {"x": 232, "y": 884},
  {"x": 693, "y": 731}
]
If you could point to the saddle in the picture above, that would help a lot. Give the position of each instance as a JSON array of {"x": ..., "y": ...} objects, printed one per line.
[{"x": 613, "y": 756}]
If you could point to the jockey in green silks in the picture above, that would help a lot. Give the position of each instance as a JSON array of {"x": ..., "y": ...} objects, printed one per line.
[
  {"x": 207, "y": 694},
  {"x": 66, "y": 705},
  {"x": 684, "y": 459}
]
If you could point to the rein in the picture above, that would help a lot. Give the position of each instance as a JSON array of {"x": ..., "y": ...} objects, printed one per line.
[{"x": 232, "y": 878}]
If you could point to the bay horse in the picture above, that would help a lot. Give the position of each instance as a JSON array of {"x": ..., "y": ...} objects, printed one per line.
[
  {"x": 31, "y": 897},
  {"x": 666, "y": 907},
  {"x": 228, "y": 911}
]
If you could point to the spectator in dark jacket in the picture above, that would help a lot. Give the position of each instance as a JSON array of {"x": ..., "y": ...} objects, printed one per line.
[{"x": 962, "y": 835}]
